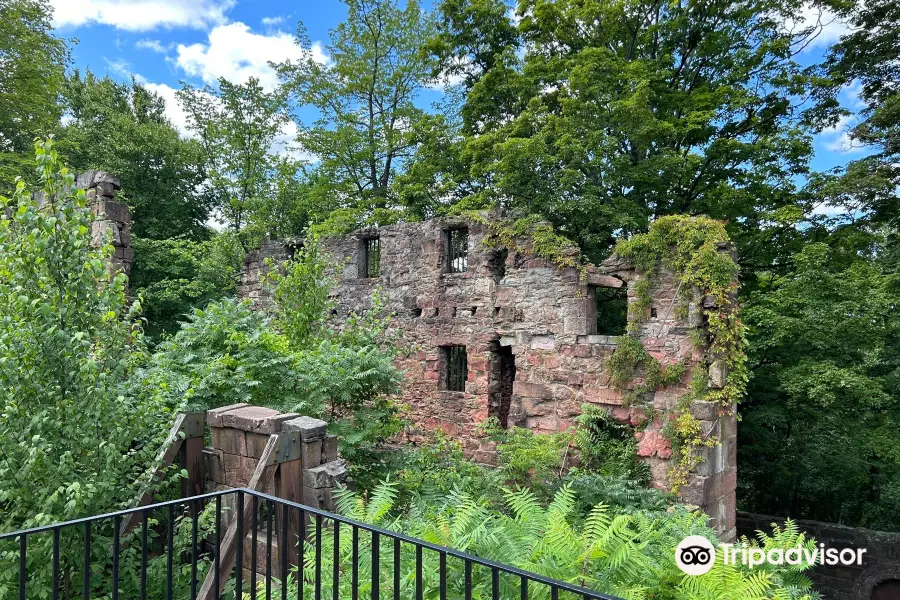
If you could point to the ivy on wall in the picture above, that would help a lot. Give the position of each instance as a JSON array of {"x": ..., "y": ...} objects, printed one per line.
[{"x": 695, "y": 250}]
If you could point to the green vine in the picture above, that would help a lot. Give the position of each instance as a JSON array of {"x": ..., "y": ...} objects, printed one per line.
[
  {"x": 693, "y": 249},
  {"x": 543, "y": 241}
]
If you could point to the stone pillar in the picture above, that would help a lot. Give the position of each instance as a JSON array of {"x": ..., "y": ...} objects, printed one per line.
[
  {"x": 308, "y": 467},
  {"x": 114, "y": 218}
]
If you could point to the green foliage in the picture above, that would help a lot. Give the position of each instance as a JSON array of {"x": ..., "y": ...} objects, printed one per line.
[
  {"x": 823, "y": 400},
  {"x": 531, "y": 234},
  {"x": 122, "y": 128},
  {"x": 693, "y": 248},
  {"x": 434, "y": 469},
  {"x": 607, "y": 447},
  {"x": 173, "y": 276},
  {"x": 652, "y": 109},
  {"x": 301, "y": 289},
  {"x": 31, "y": 80},
  {"x": 529, "y": 459},
  {"x": 369, "y": 124},
  {"x": 236, "y": 126},
  {"x": 626, "y": 553},
  {"x": 69, "y": 350},
  {"x": 225, "y": 354},
  {"x": 228, "y": 353}
]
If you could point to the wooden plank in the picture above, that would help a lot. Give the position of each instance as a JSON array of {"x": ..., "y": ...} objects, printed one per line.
[
  {"x": 168, "y": 453},
  {"x": 192, "y": 461},
  {"x": 262, "y": 477},
  {"x": 289, "y": 485}
]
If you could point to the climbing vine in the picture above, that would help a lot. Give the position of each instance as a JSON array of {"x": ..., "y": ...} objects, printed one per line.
[
  {"x": 692, "y": 248},
  {"x": 543, "y": 241}
]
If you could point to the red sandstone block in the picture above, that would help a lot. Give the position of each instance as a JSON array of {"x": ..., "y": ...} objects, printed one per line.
[
  {"x": 229, "y": 441},
  {"x": 238, "y": 469},
  {"x": 603, "y": 396},
  {"x": 652, "y": 443},
  {"x": 214, "y": 416},
  {"x": 531, "y": 390}
]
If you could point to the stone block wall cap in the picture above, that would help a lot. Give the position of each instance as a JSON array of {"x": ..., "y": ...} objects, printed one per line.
[
  {"x": 214, "y": 416},
  {"x": 604, "y": 280},
  {"x": 309, "y": 428},
  {"x": 90, "y": 179}
]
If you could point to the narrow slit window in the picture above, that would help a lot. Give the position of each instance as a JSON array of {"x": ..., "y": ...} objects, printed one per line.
[
  {"x": 456, "y": 368},
  {"x": 457, "y": 250},
  {"x": 372, "y": 257}
]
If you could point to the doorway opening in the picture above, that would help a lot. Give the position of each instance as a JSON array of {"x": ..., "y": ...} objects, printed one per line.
[{"x": 502, "y": 376}]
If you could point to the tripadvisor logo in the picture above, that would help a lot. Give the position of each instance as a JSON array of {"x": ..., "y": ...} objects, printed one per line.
[{"x": 695, "y": 555}]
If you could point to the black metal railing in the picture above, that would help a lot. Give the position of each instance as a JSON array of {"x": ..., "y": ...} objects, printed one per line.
[{"x": 180, "y": 549}]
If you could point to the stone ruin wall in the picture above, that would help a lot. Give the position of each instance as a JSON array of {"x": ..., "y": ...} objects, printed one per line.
[
  {"x": 513, "y": 307},
  {"x": 878, "y": 578}
]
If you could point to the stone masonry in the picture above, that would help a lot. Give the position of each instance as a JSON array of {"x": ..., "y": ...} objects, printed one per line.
[
  {"x": 309, "y": 468},
  {"x": 878, "y": 578},
  {"x": 113, "y": 221},
  {"x": 528, "y": 332}
]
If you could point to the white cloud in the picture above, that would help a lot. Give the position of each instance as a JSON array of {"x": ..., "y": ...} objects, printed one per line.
[
  {"x": 837, "y": 138},
  {"x": 236, "y": 53},
  {"x": 174, "y": 112},
  {"x": 284, "y": 144},
  {"x": 119, "y": 67},
  {"x": 272, "y": 21},
  {"x": 141, "y": 15},
  {"x": 152, "y": 45},
  {"x": 827, "y": 27}
]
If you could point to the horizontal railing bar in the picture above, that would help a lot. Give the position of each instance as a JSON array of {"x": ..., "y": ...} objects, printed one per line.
[
  {"x": 537, "y": 578},
  {"x": 438, "y": 548},
  {"x": 120, "y": 513}
]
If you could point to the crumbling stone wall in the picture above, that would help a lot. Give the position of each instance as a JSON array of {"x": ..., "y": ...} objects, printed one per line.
[
  {"x": 880, "y": 569},
  {"x": 510, "y": 307},
  {"x": 114, "y": 218}
]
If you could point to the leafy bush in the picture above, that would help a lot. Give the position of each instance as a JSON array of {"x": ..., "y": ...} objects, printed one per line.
[
  {"x": 76, "y": 430},
  {"x": 291, "y": 361},
  {"x": 173, "y": 276},
  {"x": 627, "y": 554}
]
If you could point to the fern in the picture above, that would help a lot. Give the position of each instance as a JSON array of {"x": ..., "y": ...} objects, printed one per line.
[{"x": 627, "y": 553}]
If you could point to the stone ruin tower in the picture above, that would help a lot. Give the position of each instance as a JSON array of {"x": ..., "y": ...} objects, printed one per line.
[{"x": 114, "y": 217}]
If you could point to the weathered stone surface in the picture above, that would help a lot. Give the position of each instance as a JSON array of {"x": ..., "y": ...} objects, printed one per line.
[
  {"x": 214, "y": 417},
  {"x": 327, "y": 475},
  {"x": 718, "y": 374},
  {"x": 311, "y": 453},
  {"x": 604, "y": 280},
  {"x": 529, "y": 329},
  {"x": 113, "y": 219},
  {"x": 329, "y": 448},
  {"x": 308, "y": 427},
  {"x": 256, "y": 419}
]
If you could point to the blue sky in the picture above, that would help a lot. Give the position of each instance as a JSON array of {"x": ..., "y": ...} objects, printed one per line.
[{"x": 163, "y": 42}]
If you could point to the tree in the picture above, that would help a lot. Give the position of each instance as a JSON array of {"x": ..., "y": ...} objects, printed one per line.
[
  {"x": 617, "y": 113},
  {"x": 31, "y": 81},
  {"x": 122, "y": 128},
  {"x": 822, "y": 405},
  {"x": 77, "y": 433},
  {"x": 237, "y": 125},
  {"x": 369, "y": 125}
]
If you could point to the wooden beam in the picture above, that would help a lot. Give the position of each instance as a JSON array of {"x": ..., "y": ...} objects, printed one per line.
[
  {"x": 167, "y": 454},
  {"x": 262, "y": 477}
]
